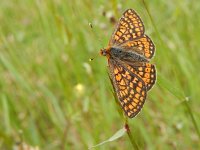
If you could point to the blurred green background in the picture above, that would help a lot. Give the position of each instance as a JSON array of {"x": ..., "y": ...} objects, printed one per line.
[{"x": 52, "y": 97}]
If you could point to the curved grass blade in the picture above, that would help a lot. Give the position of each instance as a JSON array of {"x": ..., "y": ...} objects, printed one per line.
[{"x": 117, "y": 135}]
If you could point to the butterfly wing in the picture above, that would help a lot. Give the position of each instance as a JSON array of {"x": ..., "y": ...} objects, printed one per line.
[
  {"x": 143, "y": 46},
  {"x": 146, "y": 71},
  {"x": 130, "y": 88},
  {"x": 129, "y": 35},
  {"x": 129, "y": 27}
]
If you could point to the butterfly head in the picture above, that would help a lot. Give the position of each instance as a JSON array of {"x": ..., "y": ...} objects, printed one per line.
[{"x": 105, "y": 52}]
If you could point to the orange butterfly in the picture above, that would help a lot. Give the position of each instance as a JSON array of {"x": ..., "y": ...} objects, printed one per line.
[{"x": 128, "y": 52}]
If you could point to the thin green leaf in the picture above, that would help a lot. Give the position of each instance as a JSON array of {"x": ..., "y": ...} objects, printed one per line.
[{"x": 117, "y": 135}]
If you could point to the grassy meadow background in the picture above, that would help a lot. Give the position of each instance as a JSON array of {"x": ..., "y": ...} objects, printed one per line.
[{"x": 52, "y": 97}]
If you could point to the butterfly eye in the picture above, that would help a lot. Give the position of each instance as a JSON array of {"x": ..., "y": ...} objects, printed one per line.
[{"x": 103, "y": 52}]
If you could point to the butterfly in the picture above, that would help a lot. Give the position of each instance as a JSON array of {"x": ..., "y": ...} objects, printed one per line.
[{"x": 129, "y": 52}]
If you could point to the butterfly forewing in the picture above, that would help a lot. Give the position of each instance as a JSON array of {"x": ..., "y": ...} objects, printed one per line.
[
  {"x": 130, "y": 88},
  {"x": 129, "y": 27}
]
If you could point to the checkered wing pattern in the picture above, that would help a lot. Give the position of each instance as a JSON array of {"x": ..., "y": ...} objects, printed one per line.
[
  {"x": 129, "y": 28},
  {"x": 128, "y": 53},
  {"x": 143, "y": 46},
  {"x": 130, "y": 88},
  {"x": 129, "y": 35},
  {"x": 146, "y": 71}
]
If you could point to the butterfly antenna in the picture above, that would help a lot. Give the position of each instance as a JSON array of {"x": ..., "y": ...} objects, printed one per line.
[
  {"x": 97, "y": 37},
  {"x": 91, "y": 59},
  {"x": 94, "y": 32}
]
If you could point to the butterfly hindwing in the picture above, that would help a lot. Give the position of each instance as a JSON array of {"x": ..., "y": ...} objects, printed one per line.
[
  {"x": 146, "y": 71},
  {"x": 143, "y": 46}
]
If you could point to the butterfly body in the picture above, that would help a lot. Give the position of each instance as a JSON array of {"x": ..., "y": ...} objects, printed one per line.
[
  {"x": 128, "y": 53},
  {"x": 119, "y": 53}
]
